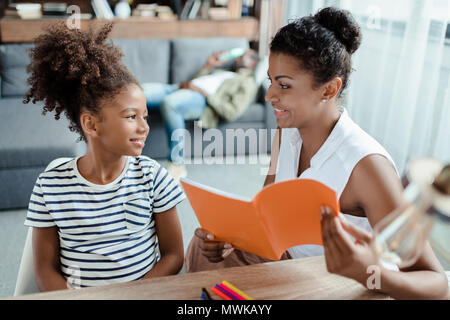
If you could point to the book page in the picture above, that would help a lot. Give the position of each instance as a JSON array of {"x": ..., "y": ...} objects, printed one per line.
[
  {"x": 291, "y": 212},
  {"x": 228, "y": 217}
]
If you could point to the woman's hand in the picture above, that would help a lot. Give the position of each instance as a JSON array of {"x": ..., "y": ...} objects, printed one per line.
[
  {"x": 214, "y": 251},
  {"x": 342, "y": 255}
]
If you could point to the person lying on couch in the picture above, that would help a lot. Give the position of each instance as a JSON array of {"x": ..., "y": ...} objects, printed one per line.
[{"x": 214, "y": 92}]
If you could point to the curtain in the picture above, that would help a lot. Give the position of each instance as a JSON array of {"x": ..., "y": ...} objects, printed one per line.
[
  {"x": 271, "y": 19},
  {"x": 399, "y": 90}
]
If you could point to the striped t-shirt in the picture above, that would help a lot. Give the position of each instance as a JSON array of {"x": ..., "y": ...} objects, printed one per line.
[{"x": 107, "y": 232}]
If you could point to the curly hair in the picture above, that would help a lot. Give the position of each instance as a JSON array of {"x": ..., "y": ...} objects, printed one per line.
[
  {"x": 323, "y": 44},
  {"x": 73, "y": 70}
]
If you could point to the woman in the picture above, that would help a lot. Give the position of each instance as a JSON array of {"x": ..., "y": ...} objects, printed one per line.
[{"x": 309, "y": 68}]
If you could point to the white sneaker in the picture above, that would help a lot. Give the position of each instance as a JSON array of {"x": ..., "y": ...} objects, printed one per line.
[{"x": 177, "y": 171}]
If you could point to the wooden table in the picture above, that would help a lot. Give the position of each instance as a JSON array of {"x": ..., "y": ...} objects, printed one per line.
[{"x": 289, "y": 279}]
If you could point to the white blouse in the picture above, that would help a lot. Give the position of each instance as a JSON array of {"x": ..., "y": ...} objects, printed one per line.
[{"x": 332, "y": 164}]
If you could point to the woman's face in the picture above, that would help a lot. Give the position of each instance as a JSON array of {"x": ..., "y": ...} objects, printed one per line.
[
  {"x": 123, "y": 128},
  {"x": 296, "y": 104}
]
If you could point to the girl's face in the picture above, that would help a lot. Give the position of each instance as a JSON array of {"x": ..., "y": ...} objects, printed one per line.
[
  {"x": 296, "y": 104},
  {"x": 123, "y": 127}
]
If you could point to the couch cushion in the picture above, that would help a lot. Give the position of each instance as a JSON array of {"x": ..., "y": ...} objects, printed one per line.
[
  {"x": 14, "y": 59},
  {"x": 190, "y": 54},
  {"x": 29, "y": 139},
  {"x": 17, "y": 185},
  {"x": 255, "y": 112},
  {"x": 147, "y": 59}
]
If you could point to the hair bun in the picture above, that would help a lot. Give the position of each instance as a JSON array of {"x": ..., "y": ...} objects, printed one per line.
[{"x": 342, "y": 24}]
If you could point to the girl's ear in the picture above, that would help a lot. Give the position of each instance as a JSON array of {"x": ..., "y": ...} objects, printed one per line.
[
  {"x": 331, "y": 88},
  {"x": 89, "y": 124}
]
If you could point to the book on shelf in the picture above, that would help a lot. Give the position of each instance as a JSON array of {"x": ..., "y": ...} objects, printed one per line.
[
  {"x": 195, "y": 9},
  {"x": 187, "y": 7},
  {"x": 191, "y": 9},
  {"x": 102, "y": 9},
  {"x": 280, "y": 216}
]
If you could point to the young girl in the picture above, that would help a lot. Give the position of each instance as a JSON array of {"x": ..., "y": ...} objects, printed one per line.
[
  {"x": 309, "y": 67},
  {"x": 108, "y": 216}
]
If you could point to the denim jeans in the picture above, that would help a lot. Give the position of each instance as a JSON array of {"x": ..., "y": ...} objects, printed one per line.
[{"x": 176, "y": 106}]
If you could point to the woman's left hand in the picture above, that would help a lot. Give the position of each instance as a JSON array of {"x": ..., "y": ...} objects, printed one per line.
[{"x": 344, "y": 256}]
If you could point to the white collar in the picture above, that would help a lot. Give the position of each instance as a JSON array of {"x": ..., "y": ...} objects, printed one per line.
[{"x": 336, "y": 137}]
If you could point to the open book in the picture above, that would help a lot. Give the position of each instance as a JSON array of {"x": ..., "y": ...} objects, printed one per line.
[{"x": 280, "y": 216}]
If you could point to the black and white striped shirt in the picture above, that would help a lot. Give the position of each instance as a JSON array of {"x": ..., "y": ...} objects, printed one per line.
[{"x": 107, "y": 232}]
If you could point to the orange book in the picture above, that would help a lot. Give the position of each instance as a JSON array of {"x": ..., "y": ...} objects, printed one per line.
[{"x": 280, "y": 216}]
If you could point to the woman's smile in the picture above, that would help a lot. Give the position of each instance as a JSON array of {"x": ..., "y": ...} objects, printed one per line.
[{"x": 279, "y": 112}]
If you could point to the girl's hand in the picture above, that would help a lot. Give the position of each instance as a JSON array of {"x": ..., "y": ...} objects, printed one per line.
[
  {"x": 342, "y": 255},
  {"x": 214, "y": 251}
]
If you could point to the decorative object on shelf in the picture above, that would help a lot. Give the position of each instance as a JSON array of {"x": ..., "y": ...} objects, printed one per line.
[
  {"x": 145, "y": 10},
  {"x": 24, "y": 10},
  {"x": 165, "y": 13},
  {"x": 235, "y": 9},
  {"x": 122, "y": 9},
  {"x": 218, "y": 13},
  {"x": 154, "y": 10},
  {"x": 246, "y": 7}
]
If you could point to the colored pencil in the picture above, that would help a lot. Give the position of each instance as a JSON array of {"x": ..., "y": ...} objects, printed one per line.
[
  {"x": 220, "y": 293},
  {"x": 227, "y": 292},
  {"x": 229, "y": 285},
  {"x": 206, "y": 295},
  {"x": 231, "y": 293}
]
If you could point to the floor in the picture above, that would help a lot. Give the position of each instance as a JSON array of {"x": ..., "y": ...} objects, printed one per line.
[{"x": 249, "y": 172}]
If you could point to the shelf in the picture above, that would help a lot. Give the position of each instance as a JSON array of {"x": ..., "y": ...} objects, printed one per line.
[{"x": 17, "y": 30}]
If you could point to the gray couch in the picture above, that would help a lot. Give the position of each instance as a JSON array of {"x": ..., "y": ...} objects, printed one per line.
[{"x": 29, "y": 140}]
